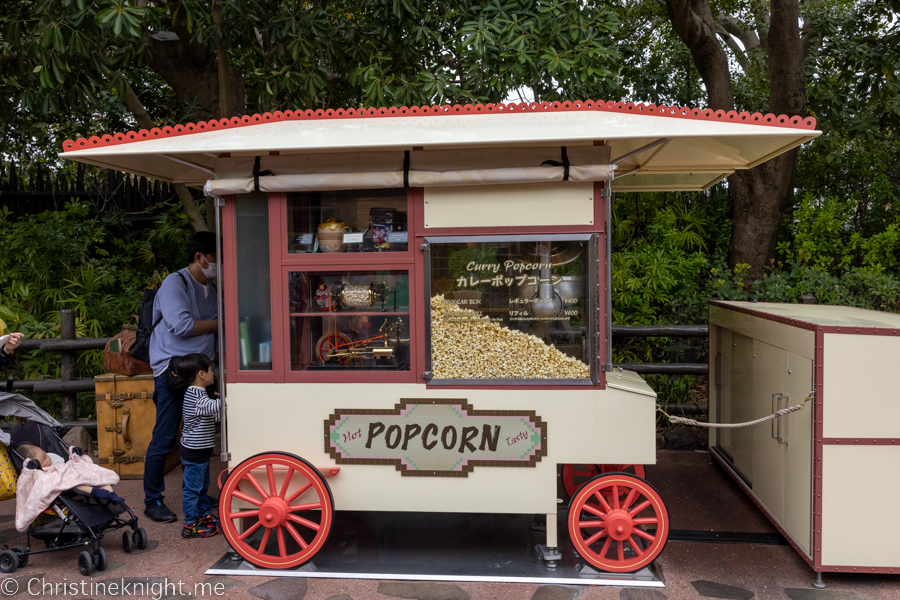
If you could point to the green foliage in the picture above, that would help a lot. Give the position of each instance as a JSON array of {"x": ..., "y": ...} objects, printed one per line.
[
  {"x": 66, "y": 63},
  {"x": 95, "y": 264},
  {"x": 853, "y": 66},
  {"x": 839, "y": 243}
]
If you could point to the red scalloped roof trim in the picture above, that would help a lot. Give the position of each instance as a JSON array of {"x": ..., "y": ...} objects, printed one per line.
[{"x": 678, "y": 112}]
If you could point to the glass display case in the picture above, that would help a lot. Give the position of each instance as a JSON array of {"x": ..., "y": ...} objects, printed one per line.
[
  {"x": 512, "y": 308},
  {"x": 349, "y": 320},
  {"x": 253, "y": 284},
  {"x": 347, "y": 221}
]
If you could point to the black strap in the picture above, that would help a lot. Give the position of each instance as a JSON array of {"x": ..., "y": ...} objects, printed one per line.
[
  {"x": 406, "y": 169},
  {"x": 564, "y": 164},
  {"x": 257, "y": 173}
]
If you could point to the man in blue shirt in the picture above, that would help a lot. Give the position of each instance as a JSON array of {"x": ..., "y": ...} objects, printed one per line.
[{"x": 186, "y": 315}]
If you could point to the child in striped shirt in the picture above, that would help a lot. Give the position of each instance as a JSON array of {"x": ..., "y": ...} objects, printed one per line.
[{"x": 199, "y": 413}]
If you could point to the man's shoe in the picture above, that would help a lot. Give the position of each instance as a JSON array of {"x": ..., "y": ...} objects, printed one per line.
[
  {"x": 159, "y": 512},
  {"x": 210, "y": 519},
  {"x": 200, "y": 529}
]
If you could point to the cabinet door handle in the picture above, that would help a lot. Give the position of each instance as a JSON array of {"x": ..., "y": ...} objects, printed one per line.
[
  {"x": 782, "y": 440},
  {"x": 776, "y": 422}
]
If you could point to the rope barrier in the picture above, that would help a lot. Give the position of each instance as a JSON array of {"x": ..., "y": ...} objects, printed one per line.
[{"x": 782, "y": 412}]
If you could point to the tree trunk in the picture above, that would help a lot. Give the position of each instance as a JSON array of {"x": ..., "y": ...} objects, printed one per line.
[
  {"x": 222, "y": 66},
  {"x": 758, "y": 199},
  {"x": 193, "y": 74},
  {"x": 190, "y": 207},
  {"x": 693, "y": 21},
  {"x": 759, "y": 195}
]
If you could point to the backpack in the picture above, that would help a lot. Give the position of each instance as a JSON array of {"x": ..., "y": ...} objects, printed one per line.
[{"x": 141, "y": 348}]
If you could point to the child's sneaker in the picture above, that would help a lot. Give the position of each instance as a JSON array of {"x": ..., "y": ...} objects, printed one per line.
[
  {"x": 200, "y": 529},
  {"x": 210, "y": 519}
]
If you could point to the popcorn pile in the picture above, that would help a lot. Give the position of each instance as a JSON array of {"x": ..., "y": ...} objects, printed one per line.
[{"x": 467, "y": 345}]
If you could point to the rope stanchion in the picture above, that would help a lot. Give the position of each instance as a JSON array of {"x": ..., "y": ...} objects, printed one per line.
[{"x": 780, "y": 413}]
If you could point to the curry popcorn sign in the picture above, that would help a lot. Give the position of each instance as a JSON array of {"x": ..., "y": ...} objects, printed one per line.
[{"x": 436, "y": 437}]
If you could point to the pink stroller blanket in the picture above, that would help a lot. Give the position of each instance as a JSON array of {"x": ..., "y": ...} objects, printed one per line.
[{"x": 38, "y": 488}]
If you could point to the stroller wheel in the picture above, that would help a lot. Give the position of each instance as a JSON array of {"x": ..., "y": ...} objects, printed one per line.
[
  {"x": 85, "y": 563},
  {"x": 9, "y": 561},
  {"x": 127, "y": 541},
  {"x": 100, "y": 560},
  {"x": 140, "y": 538},
  {"x": 23, "y": 556}
]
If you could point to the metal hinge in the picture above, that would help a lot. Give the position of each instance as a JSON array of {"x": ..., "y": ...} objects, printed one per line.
[
  {"x": 225, "y": 457},
  {"x": 220, "y": 202},
  {"x": 117, "y": 428},
  {"x": 423, "y": 247},
  {"x": 426, "y": 375}
]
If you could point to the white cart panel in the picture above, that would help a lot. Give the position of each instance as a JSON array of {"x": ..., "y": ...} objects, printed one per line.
[{"x": 583, "y": 426}]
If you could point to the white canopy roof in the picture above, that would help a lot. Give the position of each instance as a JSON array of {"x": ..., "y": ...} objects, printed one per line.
[{"x": 677, "y": 148}]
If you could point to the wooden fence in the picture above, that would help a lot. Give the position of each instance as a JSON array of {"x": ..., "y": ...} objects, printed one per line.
[{"x": 104, "y": 189}]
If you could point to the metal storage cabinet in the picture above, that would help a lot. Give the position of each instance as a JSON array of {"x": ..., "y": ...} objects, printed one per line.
[{"x": 827, "y": 476}]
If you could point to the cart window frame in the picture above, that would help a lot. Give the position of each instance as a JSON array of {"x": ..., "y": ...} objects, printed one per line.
[
  {"x": 280, "y": 206},
  {"x": 349, "y": 375},
  {"x": 593, "y": 310}
]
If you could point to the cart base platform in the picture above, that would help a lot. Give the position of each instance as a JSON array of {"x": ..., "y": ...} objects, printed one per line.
[{"x": 442, "y": 547}]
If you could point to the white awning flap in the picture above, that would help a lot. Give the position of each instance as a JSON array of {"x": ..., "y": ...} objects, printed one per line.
[
  {"x": 654, "y": 148},
  {"x": 426, "y": 169}
]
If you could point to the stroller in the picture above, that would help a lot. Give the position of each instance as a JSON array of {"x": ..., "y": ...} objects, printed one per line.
[{"x": 79, "y": 520}]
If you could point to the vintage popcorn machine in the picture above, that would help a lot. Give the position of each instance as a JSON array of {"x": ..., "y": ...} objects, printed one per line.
[{"x": 416, "y": 308}]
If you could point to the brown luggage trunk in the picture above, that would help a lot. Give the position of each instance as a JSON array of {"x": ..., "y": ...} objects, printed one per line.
[{"x": 126, "y": 415}]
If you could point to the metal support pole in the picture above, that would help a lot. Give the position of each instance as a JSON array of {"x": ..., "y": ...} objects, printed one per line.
[
  {"x": 224, "y": 455},
  {"x": 607, "y": 233},
  {"x": 817, "y": 582},
  {"x": 67, "y": 363}
]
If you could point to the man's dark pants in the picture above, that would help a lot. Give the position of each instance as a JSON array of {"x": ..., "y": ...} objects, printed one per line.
[{"x": 165, "y": 437}]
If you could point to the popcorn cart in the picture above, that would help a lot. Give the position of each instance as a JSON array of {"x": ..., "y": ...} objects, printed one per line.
[{"x": 416, "y": 308}]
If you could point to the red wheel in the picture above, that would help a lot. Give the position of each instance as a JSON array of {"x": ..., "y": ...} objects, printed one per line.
[
  {"x": 331, "y": 342},
  {"x": 291, "y": 502},
  {"x": 632, "y": 469},
  {"x": 574, "y": 476},
  {"x": 618, "y": 534}
]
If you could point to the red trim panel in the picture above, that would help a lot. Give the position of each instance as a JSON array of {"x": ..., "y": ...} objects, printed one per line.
[
  {"x": 861, "y": 441},
  {"x": 818, "y": 419},
  {"x": 277, "y": 287},
  {"x": 600, "y": 220},
  {"x": 677, "y": 112},
  {"x": 834, "y": 569},
  {"x": 860, "y": 330}
]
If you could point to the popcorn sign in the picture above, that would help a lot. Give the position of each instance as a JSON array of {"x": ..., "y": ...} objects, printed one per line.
[{"x": 436, "y": 437}]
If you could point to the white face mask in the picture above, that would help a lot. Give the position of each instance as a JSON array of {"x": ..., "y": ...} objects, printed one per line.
[{"x": 210, "y": 271}]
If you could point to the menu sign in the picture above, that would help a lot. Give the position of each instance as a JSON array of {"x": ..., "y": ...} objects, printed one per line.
[{"x": 436, "y": 437}]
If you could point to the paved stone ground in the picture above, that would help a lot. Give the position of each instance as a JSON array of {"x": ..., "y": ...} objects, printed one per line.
[{"x": 698, "y": 496}]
